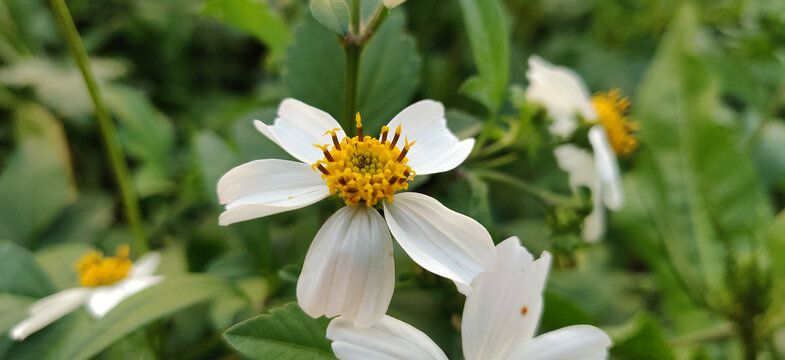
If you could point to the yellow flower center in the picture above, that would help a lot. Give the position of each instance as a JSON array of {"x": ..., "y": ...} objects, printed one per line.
[
  {"x": 611, "y": 109},
  {"x": 96, "y": 270},
  {"x": 363, "y": 168}
]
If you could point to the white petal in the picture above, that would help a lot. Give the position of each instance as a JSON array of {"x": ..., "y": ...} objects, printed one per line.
[
  {"x": 577, "y": 342},
  {"x": 437, "y": 149},
  {"x": 607, "y": 168},
  {"x": 505, "y": 305},
  {"x": 349, "y": 268},
  {"x": 389, "y": 339},
  {"x": 47, "y": 310},
  {"x": 562, "y": 92},
  {"x": 392, "y": 3},
  {"x": 582, "y": 171},
  {"x": 440, "y": 240},
  {"x": 298, "y": 127},
  {"x": 105, "y": 298},
  {"x": 145, "y": 265},
  {"x": 265, "y": 187}
]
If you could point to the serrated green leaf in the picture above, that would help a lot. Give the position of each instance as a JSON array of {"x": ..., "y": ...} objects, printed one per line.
[
  {"x": 20, "y": 274},
  {"x": 172, "y": 294},
  {"x": 489, "y": 36},
  {"x": 333, "y": 14},
  {"x": 286, "y": 333},
  {"x": 389, "y": 68},
  {"x": 254, "y": 17}
]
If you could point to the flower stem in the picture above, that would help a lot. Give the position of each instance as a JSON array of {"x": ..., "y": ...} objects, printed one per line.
[
  {"x": 110, "y": 139},
  {"x": 545, "y": 196},
  {"x": 353, "y": 52}
]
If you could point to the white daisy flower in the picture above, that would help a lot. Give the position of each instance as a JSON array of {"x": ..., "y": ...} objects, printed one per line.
[
  {"x": 105, "y": 283},
  {"x": 566, "y": 99},
  {"x": 349, "y": 267},
  {"x": 500, "y": 319}
]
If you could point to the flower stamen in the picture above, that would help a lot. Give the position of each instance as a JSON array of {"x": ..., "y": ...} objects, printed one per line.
[
  {"x": 396, "y": 137},
  {"x": 96, "y": 270},
  {"x": 611, "y": 108}
]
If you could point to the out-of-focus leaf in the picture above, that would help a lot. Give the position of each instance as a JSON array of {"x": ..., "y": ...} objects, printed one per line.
[
  {"x": 333, "y": 14},
  {"x": 389, "y": 69},
  {"x": 641, "y": 339},
  {"x": 489, "y": 37},
  {"x": 83, "y": 221},
  {"x": 49, "y": 342},
  {"x": 61, "y": 88},
  {"x": 148, "y": 136},
  {"x": 251, "y": 143},
  {"x": 37, "y": 184},
  {"x": 705, "y": 189},
  {"x": 59, "y": 262},
  {"x": 232, "y": 265},
  {"x": 172, "y": 294},
  {"x": 285, "y": 333},
  {"x": 479, "y": 205},
  {"x": 215, "y": 159},
  {"x": 770, "y": 153},
  {"x": 254, "y": 17},
  {"x": 464, "y": 125},
  {"x": 20, "y": 274},
  {"x": 13, "y": 309},
  {"x": 559, "y": 312}
]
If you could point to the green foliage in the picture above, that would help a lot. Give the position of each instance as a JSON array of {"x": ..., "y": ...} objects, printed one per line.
[
  {"x": 286, "y": 333},
  {"x": 20, "y": 274},
  {"x": 641, "y": 339},
  {"x": 489, "y": 36},
  {"x": 254, "y": 17},
  {"x": 333, "y": 14}
]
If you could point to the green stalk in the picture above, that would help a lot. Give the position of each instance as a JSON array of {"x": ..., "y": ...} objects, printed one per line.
[
  {"x": 544, "y": 196},
  {"x": 353, "y": 52},
  {"x": 110, "y": 139}
]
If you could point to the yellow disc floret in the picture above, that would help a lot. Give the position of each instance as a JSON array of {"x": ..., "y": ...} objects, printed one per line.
[
  {"x": 96, "y": 270},
  {"x": 611, "y": 110},
  {"x": 363, "y": 168}
]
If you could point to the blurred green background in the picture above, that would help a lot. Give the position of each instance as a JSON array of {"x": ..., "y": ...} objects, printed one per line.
[{"x": 693, "y": 266}]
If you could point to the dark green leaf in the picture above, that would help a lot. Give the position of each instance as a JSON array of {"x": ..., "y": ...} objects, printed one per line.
[
  {"x": 20, "y": 274},
  {"x": 641, "y": 339},
  {"x": 285, "y": 333},
  {"x": 254, "y": 17}
]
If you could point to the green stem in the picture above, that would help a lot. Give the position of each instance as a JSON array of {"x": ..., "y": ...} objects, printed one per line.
[
  {"x": 546, "y": 197},
  {"x": 110, "y": 139},
  {"x": 353, "y": 52},
  {"x": 354, "y": 25}
]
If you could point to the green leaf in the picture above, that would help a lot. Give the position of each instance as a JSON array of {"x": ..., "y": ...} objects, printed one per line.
[
  {"x": 20, "y": 274},
  {"x": 489, "y": 37},
  {"x": 333, "y": 14},
  {"x": 37, "y": 183},
  {"x": 147, "y": 135},
  {"x": 59, "y": 262},
  {"x": 285, "y": 333},
  {"x": 172, "y": 294},
  {"x": 84, "y": 221},
  {"x": 13, "y": 309},
  {"x": 254, "y": 17},
  {"x": 641, "y": 339},
  {"x": 215, "y": 159},
  {"x": 389, "y": 68}
]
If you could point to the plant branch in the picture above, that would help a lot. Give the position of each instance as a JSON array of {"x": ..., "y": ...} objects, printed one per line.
[{"x": 110, "y": 139}]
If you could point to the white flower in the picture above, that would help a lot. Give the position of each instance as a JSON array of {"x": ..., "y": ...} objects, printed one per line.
[
  {"x": 563, "y": 94},
  {"x": 106, "y": 283},
  {"x": 349, "y": 267},
  {"x": 499, "y": 322}
]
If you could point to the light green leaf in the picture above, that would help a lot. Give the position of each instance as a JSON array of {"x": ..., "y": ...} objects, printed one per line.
[
  {"x": 389, "y": 69},
  {"x": 147, "y": 135},
  {"x": 13, "y": 309},
  {"x": 172, "y": 294},
  {"x": 254, "y": 17},
  {"x": 20, "y": 274},
  {"x": 215, "y": 159},
  {"x": 37, "y": 183},
  {"x": 285, "y": 333},
  {"x": 333, "y": 14},
  {"x": 59, "y": 262},
  {"x": 489, "y": 36}
]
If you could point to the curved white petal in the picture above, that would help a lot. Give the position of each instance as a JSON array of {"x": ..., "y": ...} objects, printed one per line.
[
  {"x": 145, "y": 265},
  {"x": 437, "y": 149},
  {"x": 105, "y": 298},
  {"x": 47, "y": 310},
  {"x": 392, "y": 3},
  {"x": 389, "y": 339},
  {"x": 440, "y": 240},
  {"x": 580, "y": 167},
  {"x": 298, "y": 127},
  {"x": 349, "y": 268},
  {"x": 562, "y": 92},
  {"x": 505, "y": 305},
  {"x": 577, "y": 342},
  {"x": 265, "y": 187},
  {"x": 607, "y": 168}
]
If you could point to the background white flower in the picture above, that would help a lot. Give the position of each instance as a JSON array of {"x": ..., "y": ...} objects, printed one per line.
[
  {"x": 500, "y": 319},
  {"x": 98, "y": 300},
  {"x": 349, "y": 268},
  {"x": 565, "y": 97}
]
